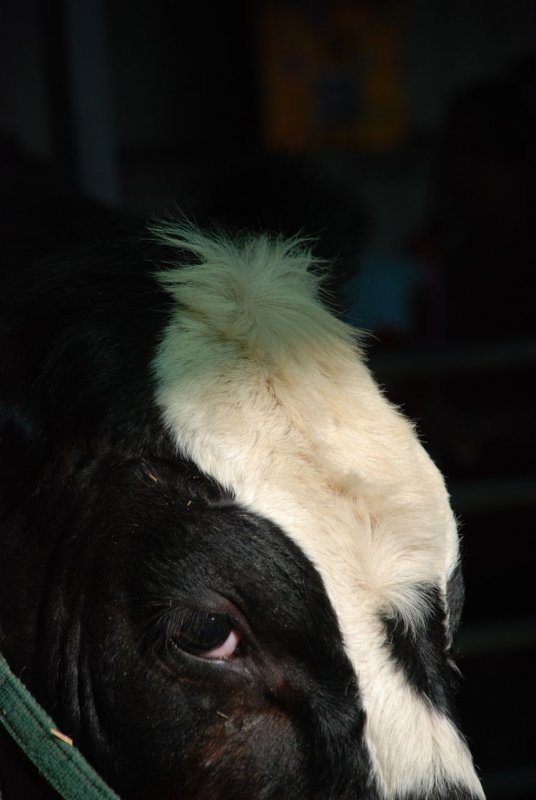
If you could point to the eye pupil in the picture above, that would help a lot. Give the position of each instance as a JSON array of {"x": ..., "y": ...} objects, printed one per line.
[{"x": 203, "y": 632}]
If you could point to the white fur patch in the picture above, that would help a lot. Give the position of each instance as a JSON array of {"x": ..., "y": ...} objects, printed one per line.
[{"x": 268, "y": 393}]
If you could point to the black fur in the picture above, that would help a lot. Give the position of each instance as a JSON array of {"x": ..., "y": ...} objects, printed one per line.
[
  {"x": 455, "y": 600},
  {"x": 421, "y": 651},
  {"x": 108, "y": 537}
]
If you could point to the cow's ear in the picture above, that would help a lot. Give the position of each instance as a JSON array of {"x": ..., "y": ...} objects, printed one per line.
[{"x": 22, "y": 450}]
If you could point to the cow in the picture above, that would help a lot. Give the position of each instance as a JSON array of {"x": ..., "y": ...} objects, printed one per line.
[{"x": 228, "y": 568}]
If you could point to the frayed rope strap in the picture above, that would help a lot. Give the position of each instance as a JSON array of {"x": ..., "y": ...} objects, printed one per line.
[{"x": 63, "y": 766}]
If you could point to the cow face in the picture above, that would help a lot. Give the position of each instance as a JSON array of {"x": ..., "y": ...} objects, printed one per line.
[{"x": 230, "y": 567}]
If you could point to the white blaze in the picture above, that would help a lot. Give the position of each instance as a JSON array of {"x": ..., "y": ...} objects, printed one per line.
[{"x": 268, "y": 393}]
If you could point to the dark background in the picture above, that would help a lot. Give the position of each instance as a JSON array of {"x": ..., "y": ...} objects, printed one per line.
[{"x": 130, "y": 108}]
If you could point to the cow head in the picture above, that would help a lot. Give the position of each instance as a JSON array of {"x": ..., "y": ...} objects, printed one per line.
[{"x": 229, "y": 569}]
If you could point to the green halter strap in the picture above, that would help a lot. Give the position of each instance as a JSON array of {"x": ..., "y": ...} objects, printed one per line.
[{"x": 63, "y": 766}]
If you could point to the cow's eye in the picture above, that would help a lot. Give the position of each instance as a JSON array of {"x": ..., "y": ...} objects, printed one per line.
[{"x": 208, "y": 635}]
